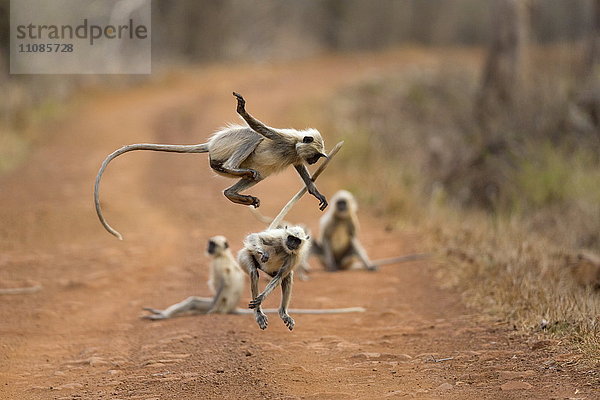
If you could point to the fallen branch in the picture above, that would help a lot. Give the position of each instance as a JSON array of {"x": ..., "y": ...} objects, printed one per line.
[{"x": 277, "y": 220}]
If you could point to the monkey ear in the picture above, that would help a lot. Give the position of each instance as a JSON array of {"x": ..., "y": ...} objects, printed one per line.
[
  {"x": 308, "y": 139},
  {"x": 226, "y": 245},
  {"x": 308, "y": 238}
]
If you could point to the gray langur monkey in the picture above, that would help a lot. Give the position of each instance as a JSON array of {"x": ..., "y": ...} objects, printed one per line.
[
  {"x": 226, "y": 282},
  {"x": 302, "y": 269},
  {"x": 276, "y": 252},
  {"x": 250, "y": 153},
  {"x": 338, "y": 245}
]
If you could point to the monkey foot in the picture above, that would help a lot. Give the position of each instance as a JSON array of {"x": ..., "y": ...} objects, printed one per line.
[
  {"x": 262, "y": 321},
  {"x": 288, "y": 321},
  {"x": 241, "y": 103},
  {"x": 243, "y": 199},
  {"x": 372, "y": 268}
]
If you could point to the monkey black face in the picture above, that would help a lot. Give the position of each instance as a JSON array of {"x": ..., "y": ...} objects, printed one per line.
[
  {"x": 212, "y": 247},
  {"x": 315, "y": 158},
  {"x": 341, "y": 205},
  {"x": 292, "y": 242}
]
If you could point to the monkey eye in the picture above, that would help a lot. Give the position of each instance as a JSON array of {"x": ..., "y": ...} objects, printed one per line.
[{"x": 308, "y": 139}]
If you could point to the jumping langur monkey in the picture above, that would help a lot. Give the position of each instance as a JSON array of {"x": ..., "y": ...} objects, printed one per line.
[
  {"x": 226, "y": 282},
  {"x": 250, "y": 153},
  {"x": 276, "y": 252},
  {"x": 338, "y": 245},
  {"x": 303, "y": 269}
]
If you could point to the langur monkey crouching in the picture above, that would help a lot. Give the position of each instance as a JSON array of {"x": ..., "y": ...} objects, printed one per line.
[
  {"x": 338, "y": 245},
  {"x": 276, "y": 252},
  {"x": 226, "y": 282}
]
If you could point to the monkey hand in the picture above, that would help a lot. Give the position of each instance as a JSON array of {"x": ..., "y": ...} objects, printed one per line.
[
  {"x": 264, "y": 256},
  {"x": 322, "y": 200},
  {"x": 372, "y": 268},
  {"x": 256, "y": 302},
  {"x": 241, "y": 106}
]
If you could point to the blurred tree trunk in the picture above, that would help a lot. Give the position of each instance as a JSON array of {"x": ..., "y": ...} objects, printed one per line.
[
  {"x": 584, "y": 112},
  {"x": 594, "y": 47},
  {"x": 590, "y": 98},
  {"x": 503, "y": 73}
]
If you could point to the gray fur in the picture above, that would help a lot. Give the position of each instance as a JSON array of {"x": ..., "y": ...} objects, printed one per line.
[
  {"x": 269, "y": 252},
  {"x": 251, "y": 153},
  {"x": 226, "y": 282},
  {"x": 338, "y": 244}
]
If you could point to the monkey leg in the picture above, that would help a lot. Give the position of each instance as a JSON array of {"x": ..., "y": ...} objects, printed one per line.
[
  {"x": 327, "y": 258},
  {"x": 360, "y": 252},
  {"x": 232, "y": 193},
  {"x": 247, "y": 173},
  {"x": 193, "y": 303},
  {"x": 283, "y": 272},
  {"x": 252, "y": 122},
  {"x": 252, "y": 267},
  {"x": 286, "y": 294}
]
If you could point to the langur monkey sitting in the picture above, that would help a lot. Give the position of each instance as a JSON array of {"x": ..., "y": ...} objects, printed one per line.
[
  {"x": 226, "y": 282},
  {"x": 250, "y": 153},
  {"x": 338, "y": 245},
  {"x": 276, "y": 252}
]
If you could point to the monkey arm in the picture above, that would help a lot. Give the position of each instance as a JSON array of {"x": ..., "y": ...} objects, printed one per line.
[
  {"x": 282, "y": 273},
  {"x": 326, "y": 256},
  {"x": 254, "y": 244},
  {"x": 310, "y": 185},
  {"x": 255, "y": 124},
  {"x": 362, "y": 255},
  {"x": 217, "y": 299}
]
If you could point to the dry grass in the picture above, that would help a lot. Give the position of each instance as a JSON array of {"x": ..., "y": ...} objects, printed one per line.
[{"x": 507, "y": 224}]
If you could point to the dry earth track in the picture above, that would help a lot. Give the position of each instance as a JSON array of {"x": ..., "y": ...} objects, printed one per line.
[{"x": 81, "y": 338}]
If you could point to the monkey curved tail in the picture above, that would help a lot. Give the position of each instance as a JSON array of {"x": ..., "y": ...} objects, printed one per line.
[
  {"x": 173, "y": 148},
  {"x": 305, "y": 310}
]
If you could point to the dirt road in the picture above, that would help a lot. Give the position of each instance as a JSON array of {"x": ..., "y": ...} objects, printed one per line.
[{"x": 81, "y": 337}]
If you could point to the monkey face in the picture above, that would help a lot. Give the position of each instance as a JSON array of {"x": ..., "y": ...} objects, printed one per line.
[
  {"x": 212, "y": 247},
  {"x": 344, "y": 203},
  {"x": 292, "y": 242},
  {"x": 341, "y": 205},
  {"x": 311, "y": 148},
  {"x": 217, "y": 245},
  {"x": 294, "y": 238},
  {"x": 315, "y": 158}
]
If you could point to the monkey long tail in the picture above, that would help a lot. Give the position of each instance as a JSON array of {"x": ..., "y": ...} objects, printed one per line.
[
  {"x": 174, "y": 148},
  {"x": 31, "y": 289},
  {"x": 396, "y": 260},
  {"x": 305, "y": 310}
]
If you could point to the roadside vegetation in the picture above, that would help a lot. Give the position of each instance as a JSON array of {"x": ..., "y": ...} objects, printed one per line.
[{"x": 509, "y": 202}]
